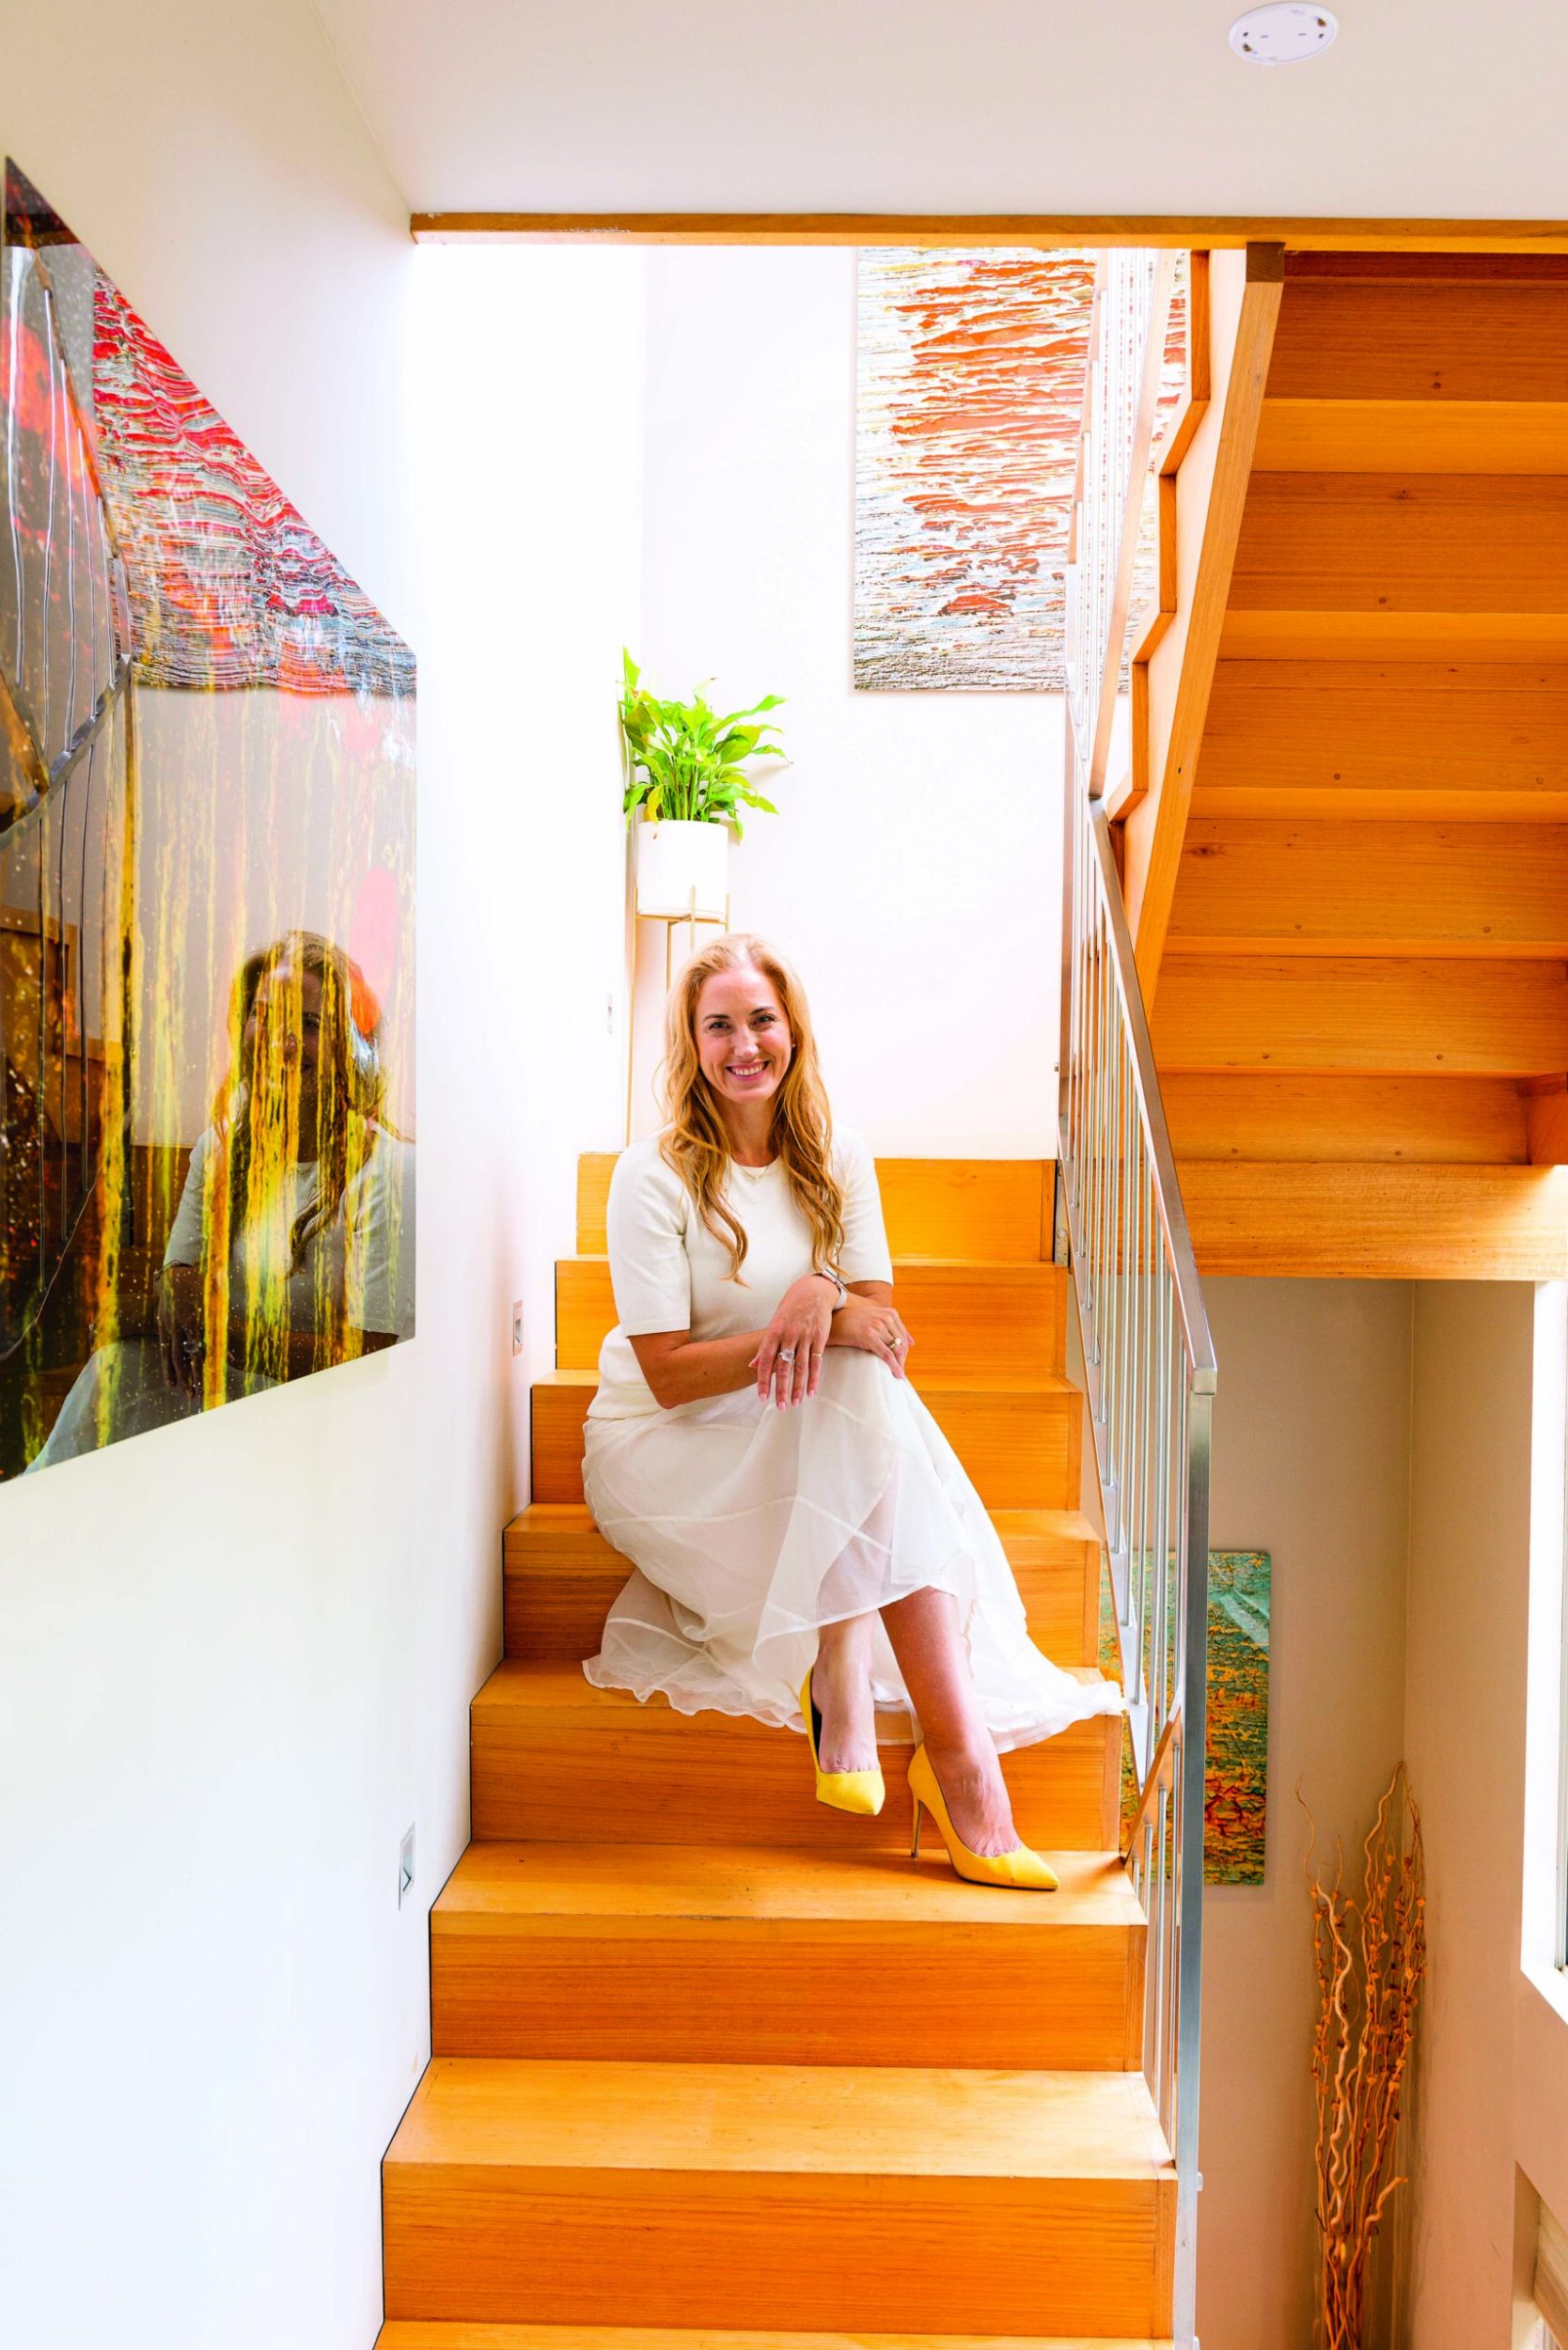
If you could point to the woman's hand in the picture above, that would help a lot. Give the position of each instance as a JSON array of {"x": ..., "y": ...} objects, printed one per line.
[
  {"x": 789, "y": 1362},
  {"x": 876, "y": 1327},
  {"x": 181, "y": 1327}
]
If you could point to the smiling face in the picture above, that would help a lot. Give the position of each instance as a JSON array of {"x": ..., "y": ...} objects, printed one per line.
[{"x": 743, "y": 1043}]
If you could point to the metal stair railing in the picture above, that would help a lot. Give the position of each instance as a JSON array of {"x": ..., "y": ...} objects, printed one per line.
[{"x": 1148, "y": 1360}]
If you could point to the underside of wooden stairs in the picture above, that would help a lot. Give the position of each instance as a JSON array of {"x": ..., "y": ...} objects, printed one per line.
[
  {"x": 714, "y": 2067},
  {"x": 1345, "y": 828}
]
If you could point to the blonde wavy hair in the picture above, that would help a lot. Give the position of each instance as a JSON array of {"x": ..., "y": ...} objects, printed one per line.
[{"x": 696, "y": 1141}]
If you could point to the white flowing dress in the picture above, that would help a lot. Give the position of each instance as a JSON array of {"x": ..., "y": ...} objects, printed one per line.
[{"x": 751, "y": 1527}]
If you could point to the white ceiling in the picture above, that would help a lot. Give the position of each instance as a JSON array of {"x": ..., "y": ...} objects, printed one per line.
[{"x": 887, "y": 105}]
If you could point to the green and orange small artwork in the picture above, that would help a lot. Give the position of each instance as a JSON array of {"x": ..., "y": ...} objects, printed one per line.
[{"x": 1236, "y": 1777}]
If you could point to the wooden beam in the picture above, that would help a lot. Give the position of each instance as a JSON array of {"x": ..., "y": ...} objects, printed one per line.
[
  {"x": 1478, "y": 1122},
  {"x": 1211, "y": 491},
  {"x": 1361, "y": 1016},
  {"x": 1252, "y": 886},
  {"x": 1379, "y": 1222},
  {"x": 1218, "y": 230},
  {"x": 1303, "y": 738}
]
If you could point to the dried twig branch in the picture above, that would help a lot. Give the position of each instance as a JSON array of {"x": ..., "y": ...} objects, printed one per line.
[{"x": 1368, "y": 1976}]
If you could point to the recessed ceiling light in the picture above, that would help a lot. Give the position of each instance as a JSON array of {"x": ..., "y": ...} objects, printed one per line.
[{"x": 1283, "y": 34}]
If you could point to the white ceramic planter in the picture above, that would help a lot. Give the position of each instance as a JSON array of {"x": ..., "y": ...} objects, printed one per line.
[{"x": 684, "y": 869}]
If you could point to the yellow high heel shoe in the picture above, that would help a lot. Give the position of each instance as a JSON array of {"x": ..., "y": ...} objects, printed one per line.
[
  {"x": 842, "y": 1791},
  {"x": 1020, "y": 1867}
]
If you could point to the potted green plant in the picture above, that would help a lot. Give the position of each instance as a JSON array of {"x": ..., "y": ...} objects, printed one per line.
[{"x": 687, "y": 778}]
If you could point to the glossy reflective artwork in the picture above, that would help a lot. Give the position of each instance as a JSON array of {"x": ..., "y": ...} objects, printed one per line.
[
  {"x": 970, "y": 368},
  {"x": 206, "y": 896},
  {"x": 1236, "y": 1768}
]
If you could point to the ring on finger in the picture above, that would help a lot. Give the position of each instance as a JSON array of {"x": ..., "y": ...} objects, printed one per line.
[{"x": 786, "y": 1353}]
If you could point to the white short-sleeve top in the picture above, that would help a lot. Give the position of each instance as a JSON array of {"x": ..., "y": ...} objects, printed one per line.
[{"x": 669, "y": 1273}]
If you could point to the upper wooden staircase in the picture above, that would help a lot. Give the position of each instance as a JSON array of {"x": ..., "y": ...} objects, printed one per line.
[
  {"x": 715, "y": 2068},
  {"x": 1345, "y": 826}
]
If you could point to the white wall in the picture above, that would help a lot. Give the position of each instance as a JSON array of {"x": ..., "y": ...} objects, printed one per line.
[
  {"x": 1310, "y": 1463},
  {"x": 914, "y": 874},
  {"x": 1492, "y": 2083},
  {"x": 236, "y": 1656}
]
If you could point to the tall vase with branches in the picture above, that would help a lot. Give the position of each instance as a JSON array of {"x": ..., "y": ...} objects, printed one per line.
[{"x": 1371, "y": 1960}]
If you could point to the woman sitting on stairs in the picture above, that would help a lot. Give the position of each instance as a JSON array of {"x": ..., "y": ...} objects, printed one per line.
[{"x": 809, "y": 1550}]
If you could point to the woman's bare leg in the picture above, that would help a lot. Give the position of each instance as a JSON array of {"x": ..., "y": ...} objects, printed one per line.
[
  {"x": 841, "y": 1692},
  {"x": 924, "y": 1631}
]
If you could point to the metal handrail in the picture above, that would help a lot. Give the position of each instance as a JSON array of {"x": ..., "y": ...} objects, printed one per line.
[{"x": 1149, "y": 1373}]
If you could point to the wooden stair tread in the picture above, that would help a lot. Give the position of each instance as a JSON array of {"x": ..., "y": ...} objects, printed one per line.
[
  {"x": 742, "y": 1952},
  {"x": 1365, "y": 1015},
  {"x": 1260, "y": 885},
  {"x": 778, "y": 2120},
  {"x": 425, "y": 2334},
  {"x": 1031, "y": 1271},
  {"x": 555, "y": 1759},
  {"x": 877, "y": 1895},
  {"x": 944, "y": 1383},
  {"x": 559, "y": 1685},
  {"x": 570, "y": 1523},
  {"x": 1442, "y": 740}
]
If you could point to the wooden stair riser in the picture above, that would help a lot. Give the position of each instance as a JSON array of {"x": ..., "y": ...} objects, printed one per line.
[
  {"x": 1020, "y": 1446},
  {"x": 996, "y": 1321},
  {"x": 981, "y": 1209},
  {"x": 788, "y": 1990},
  {"x": 940, "y": 2253},
  {"x": 622, "y": 1774},
  {"x": 557, "y": 1600}
]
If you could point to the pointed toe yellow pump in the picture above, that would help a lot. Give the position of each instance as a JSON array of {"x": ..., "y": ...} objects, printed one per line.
[
  {"x": 861, "y": 1792},
  {"x": 1020, "y": 1868}
]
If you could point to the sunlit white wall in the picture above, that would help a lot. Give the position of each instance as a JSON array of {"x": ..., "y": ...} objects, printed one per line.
[
  {"x": 528, "y": 490},
  {"x": 236, "y": 1656},
  {"x": 914, "y": 874}
]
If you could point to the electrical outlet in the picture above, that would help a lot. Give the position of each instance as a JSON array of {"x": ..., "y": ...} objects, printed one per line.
[
  {"x": 405, "y": 1867},
  {"x": 517, "y": 1327}
]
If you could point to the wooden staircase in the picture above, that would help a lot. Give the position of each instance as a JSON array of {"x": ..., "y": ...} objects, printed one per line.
[
  {"x": 715, "y": 2068},
  {"x": 1346, "y": 822}
]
